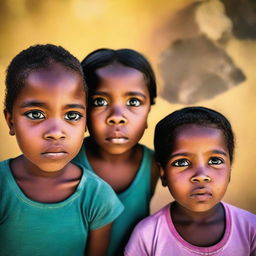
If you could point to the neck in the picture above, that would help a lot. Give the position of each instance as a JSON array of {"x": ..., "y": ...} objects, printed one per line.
[
  {"x": 21, "y": 165},
  {"x": 95, "y": 151},
  {"x": 181, "y": 214}
]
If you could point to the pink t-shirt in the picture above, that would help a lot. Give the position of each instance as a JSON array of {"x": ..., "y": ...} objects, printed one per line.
[{"x": 156, "y": 235}]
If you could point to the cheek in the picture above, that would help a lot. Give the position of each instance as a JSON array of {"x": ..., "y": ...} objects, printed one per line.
[
  {"x": 139, "y": 121},
  {"x": 222, "y": 183},
  {"x": 94, "y": 119},
  {"x": 26, "y": 132},
  {"x": 177, "y": 182},
  {"x": 78, "y": 130}
]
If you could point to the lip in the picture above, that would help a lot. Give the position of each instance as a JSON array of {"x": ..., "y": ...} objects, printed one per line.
[
  {"x": 117, "y": 137},
  {"x": 55, "y": 153},
  {"x": 117, "y": 140},
  {"x": 201, "y": 194}
]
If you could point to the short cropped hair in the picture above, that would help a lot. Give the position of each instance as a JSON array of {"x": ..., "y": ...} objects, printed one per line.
[
  {"x": 164, "y": 137},
  {"x": 31, "y": 59},
  {"x": 127, "y": 57}
]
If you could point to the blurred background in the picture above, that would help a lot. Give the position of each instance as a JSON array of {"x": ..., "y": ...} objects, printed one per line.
[{"x": 203, "y": 53}]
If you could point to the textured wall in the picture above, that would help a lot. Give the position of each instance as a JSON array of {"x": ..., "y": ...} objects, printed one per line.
[{"x": 159, "y": 29}]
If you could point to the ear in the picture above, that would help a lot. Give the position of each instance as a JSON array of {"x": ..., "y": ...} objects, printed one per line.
[
  {"x": 146, "y": 126},
  {"x": 9, "y": 121},
  {"x": 163, "y": 177}
]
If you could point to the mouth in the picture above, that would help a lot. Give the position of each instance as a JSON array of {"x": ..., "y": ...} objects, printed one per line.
[
  {"x": 117, "y": 140},
  {"x": 201, "y": 194},
  {"x": 55, "y": 153}
]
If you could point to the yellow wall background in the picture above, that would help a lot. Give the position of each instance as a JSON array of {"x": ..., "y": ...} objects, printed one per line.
[{"x": 85, "y": 25}]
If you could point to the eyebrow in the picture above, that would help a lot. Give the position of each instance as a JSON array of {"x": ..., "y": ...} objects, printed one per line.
[
  {"x": 127, "y": 94},
  {"x": 75, "y": 106},
  {"x": 215, "y": 151},
  {"x": 41, "y": 104},
  {"x": 179, "y": 154},
  {"x": 136, "y": 94},
  {"x": 32, "y": 104}
]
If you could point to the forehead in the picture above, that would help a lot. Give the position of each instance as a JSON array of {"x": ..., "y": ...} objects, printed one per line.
[
  {"x": 116, "y": 69},
  {"x": 119, "y": 74},
  {"x": 51, "y": 74},
  {"x": 200, "y": 135},
  {"x": 56, "y": 81}
]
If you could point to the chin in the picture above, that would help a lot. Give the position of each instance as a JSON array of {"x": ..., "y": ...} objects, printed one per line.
[{"x": 50, "y": 168}]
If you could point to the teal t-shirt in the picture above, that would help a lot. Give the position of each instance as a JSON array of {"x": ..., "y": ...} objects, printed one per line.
[
  {"x": 46, "y": 229},
  {"x": 135, "y": 199}
]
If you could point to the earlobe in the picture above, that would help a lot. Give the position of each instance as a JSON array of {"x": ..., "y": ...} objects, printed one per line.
[
  {"x": 146, "y": 126},
  {"x": 8, "y": 118},
  {"x": 11, "y": 132},
  {"x": 163, "y": 177}
]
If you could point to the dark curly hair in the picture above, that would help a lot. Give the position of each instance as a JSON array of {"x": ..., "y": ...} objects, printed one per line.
[
  {"x": 31, "y": 59},
  {"x": 165, "y": 129}
]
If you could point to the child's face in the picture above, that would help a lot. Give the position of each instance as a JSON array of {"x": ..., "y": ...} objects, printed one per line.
[
  {"x": 48, "y": 117},
  {"x": 198, "y": 171},
  {"x": 118, "y": 108}
]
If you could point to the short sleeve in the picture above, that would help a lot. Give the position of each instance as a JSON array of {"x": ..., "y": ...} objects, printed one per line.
[
  {"x": 104, "y": 205},
  {"x": 136, "y": 243}
]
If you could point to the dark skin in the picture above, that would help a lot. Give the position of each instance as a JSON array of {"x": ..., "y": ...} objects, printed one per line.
[
  {"x": 108, "y": 166},
  {"x": 204, "y": 229},
  {"x": 51, "y": 188},
  {"x": 117, "y": 120},
  {"x": 50, "y": 134},
  {"x": 197, "y": 175},
  {"x": 57, "y": 187}
]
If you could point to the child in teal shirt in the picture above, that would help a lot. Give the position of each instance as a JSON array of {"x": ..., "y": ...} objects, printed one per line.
[
  {"x": 121, "y": 88},
  {"x": 49, "y": 206}
]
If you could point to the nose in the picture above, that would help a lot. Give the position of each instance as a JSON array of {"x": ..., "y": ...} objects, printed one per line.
[
  {"x": 201, "y": 176},
  {"x": 116, "y": 117},
  {"x": 54, "y": 130}
]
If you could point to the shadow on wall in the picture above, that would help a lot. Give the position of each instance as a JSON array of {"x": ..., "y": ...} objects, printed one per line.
[{"x": 196, "y": 66}]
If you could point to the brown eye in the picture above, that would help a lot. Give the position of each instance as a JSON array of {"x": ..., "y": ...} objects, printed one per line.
[
  {"x": 181, "y": 163},
  {"x": 98, "y": 102},
  {"x": 216, "y": 161},
  {"x": 73, "y": 116},
  {"x": 134, "y": 102},
  {"x": 35, "y": 115}
]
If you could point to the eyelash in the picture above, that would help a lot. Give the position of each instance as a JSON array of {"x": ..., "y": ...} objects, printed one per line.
[
  {"x": 30, "y": 115},
  {"x": 183, "y": 162},
  {"x": 78, "y": 116},
  {"x": 219, "y": 159},
  {"x": 95, "y": 102},
  {"x": 101, "y": 102},
  {"x": 138, "y": 102},
  {"x": 40, "y": 115}
]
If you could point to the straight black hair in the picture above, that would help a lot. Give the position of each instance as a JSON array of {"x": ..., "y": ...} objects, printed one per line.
[{"x": 127, "y": 57}]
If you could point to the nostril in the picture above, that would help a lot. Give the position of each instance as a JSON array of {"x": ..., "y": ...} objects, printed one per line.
[
  {"x": 111, "y": 121},
  {"x": 201, "y": 179},
  {"x": 116, "y": 120},
  {"x": 194, "y": 179},
  {"x": 207, "y": 179}
]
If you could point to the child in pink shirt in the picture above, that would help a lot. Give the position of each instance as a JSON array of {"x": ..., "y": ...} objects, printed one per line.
[{"x": 194, "y": 147}]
